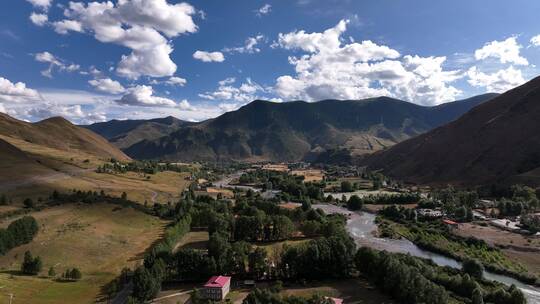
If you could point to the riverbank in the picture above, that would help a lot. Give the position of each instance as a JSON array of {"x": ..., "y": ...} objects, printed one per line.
[
  {"x": 432, "y": 237},
  {"x": 361, "y": 226}
]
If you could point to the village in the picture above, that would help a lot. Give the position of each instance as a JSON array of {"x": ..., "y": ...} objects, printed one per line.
[{"x": 457, "y": 215}]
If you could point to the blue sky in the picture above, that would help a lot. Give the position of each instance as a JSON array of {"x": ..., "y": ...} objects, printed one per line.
[{"x": 93, "y": 61}]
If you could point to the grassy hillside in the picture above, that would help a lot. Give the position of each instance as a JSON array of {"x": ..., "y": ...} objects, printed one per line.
[
  {"x": 496, "y": 142},
  {"x": 98, "y": 239},
  {"x": 34, "y": 162},
  {"x": 60, "y": 134},
  {"x": 124, "y": 133}
]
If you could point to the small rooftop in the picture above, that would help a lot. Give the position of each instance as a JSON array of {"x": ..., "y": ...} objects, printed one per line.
[
  {"x": 449, "y": 222},
  {"x": 217, "y": 281},
  {"x": 336, "y": 300}
]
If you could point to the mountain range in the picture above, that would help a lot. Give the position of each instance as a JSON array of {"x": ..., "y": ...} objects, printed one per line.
[
  {"x": 291, "y": 131},
  {"x": 495, "y": 142}
]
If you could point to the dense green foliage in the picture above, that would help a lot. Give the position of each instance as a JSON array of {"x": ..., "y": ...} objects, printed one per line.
[
  {"x": 31, "y": 265},
  {"x": 18, "y": 232},
  {"x": 321, "y": 258},
  {"x": 414, "y": 280},
  {"x": 73, "y": 274},
  {"x": 292, "y": 187},
  {"x": 146, "y": 167},
  {"x": 434, "y": 236}
]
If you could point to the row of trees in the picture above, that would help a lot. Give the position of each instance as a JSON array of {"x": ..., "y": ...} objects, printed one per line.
[
  {"x": 413, "y": 280},
  {"x": 146, "y": 167},
  {"x": 356, "y": 203}
]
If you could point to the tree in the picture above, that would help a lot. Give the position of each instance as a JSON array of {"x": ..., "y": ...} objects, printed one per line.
[
  {"x": 355, "y": 203},
  {"x": 75, "y": 274},
  {"x": 346, "y": 186},
  {"x": 257, "y": 262},
  {"x": 31, "y": 265},
  {"x": 145, "y": 286},
  {"x": 52, "y": 272},
  {"x": 3, "y": 200},
  {"x": 28, "y": 203},
  {"x": 124, "y": 196},
  {"x": 477, "y": 297},
  {"x": 306, "y": 205},
  {"x": 474, "y": 268}
]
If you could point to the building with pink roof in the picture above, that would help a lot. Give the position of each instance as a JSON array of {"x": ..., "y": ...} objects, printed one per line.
[
  {"x": 216, "y": 288},
  {"x": 336, "y": 300}
]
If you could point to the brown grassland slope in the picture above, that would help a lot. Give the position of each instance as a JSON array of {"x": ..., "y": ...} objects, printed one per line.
[
  {"x": 58, "y": 133},
  {"x": 98, "y": 239},
  {"x": 495, "y": 142},
  {"x": 53, "y": 154}
]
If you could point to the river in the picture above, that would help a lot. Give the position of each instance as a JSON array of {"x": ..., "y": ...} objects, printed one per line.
[{"x": 362, "y": 225}]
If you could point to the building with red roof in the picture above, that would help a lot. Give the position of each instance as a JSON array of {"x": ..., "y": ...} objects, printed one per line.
[
  {"x": 450, "y": 223},
  {"x": 216, "y": 288}
]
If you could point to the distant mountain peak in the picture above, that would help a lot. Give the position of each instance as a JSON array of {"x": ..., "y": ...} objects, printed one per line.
[{"x": 291, "y": 131}]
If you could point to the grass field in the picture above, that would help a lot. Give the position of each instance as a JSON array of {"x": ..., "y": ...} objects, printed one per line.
[
  {"x": 65, "y": 170},
  {"x": 194, "y": 240},
  {"x": 99, "y": 239}
]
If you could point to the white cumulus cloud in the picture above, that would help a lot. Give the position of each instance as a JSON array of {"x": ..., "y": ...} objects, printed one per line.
[
  {"x": 331, "y": 69},
  {"x": 143, "y": 95},
  {"x": 140, "y": 25},
  {"x": 17, "y": 92},
  {"x": 209, "y": 56},
  {"x": 107, "y": 85},
  {"x": 43, "y": 4},
  {"x": 506, "y": 51},
  {"x": 39, "y": 19},
  {"x": 497, "y": 82},
  {"x": 65, "y": 26},
  {"x": 184, "y": 105},
  {"x": 176, "y": 81},
  {"x": 535, "y": 41}
]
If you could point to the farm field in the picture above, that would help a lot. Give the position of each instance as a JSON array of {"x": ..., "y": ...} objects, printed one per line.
[
  {"x": 517, "y": 247},
  {"x": 98, "y": 239}
]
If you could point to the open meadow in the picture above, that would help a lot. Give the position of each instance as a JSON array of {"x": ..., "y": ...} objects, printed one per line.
[{"x": 99, "y": 239}]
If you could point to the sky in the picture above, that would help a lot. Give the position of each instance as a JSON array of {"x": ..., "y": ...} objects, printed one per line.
[{"x": 93, "y": 61}]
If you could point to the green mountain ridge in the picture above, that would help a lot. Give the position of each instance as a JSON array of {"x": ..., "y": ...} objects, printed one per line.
[{"x": 291, "y": 131}]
